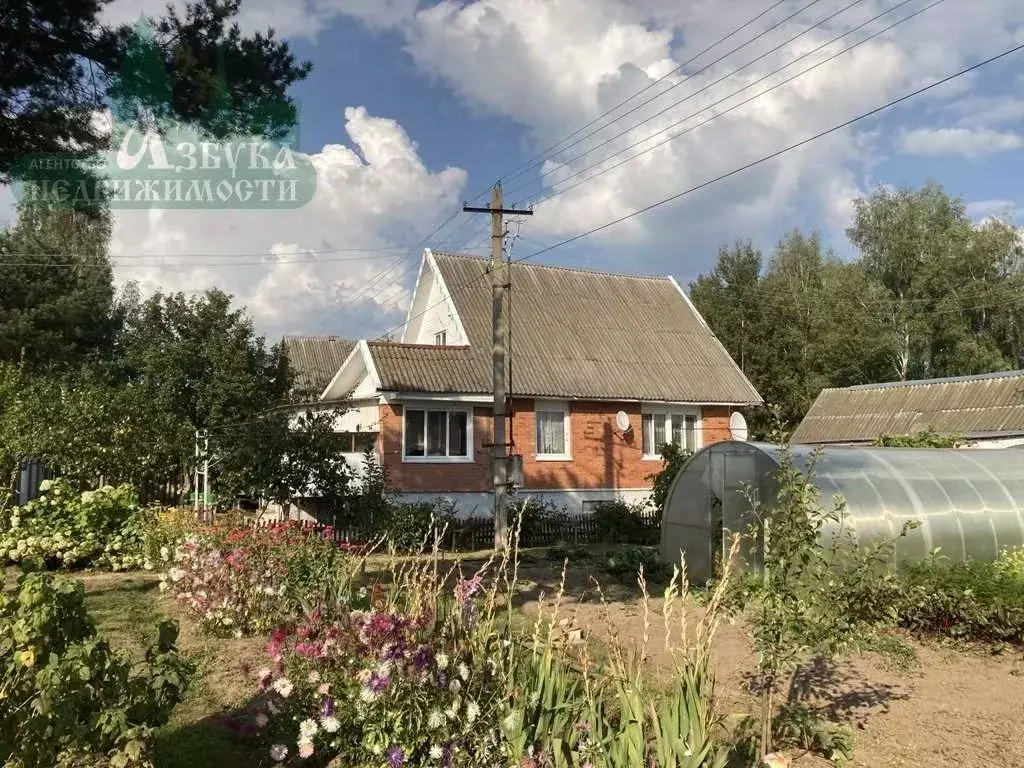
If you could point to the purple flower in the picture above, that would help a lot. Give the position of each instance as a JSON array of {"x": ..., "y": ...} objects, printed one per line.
[
  {"x": 378, "y": 682},
  {"x": 326, "y": 706},
  {"x": 396, "y": 757},
  {"x": 422, "y": 658},
  {"x": 447, "y": 755}
]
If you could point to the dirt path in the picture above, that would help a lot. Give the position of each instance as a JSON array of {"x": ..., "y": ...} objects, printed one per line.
[{"x": 950, "y": 708}]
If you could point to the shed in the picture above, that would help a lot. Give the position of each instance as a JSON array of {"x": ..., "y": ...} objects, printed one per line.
[
  {"x": 986, "y": 410},
  {"x": 969, "y": 502}
]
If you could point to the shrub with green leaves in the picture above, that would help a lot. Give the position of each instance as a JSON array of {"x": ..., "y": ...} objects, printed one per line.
[
  {"x": 65, "y": 528},
  {"x": 972, "y": 600},
  {"x": 66, "y": 698}
]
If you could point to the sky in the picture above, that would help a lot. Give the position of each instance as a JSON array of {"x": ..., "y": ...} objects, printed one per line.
[{"x": 414, "y": 107}]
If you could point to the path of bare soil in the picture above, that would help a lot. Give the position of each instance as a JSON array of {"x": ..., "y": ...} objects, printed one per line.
[{"x": 953, "y": 707}]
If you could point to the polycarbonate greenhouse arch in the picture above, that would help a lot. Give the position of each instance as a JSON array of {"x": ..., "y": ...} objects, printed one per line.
[{"x": 969, "y": 502}]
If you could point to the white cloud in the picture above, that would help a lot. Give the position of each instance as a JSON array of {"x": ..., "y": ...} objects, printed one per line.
[
  {"x": 970, "y": 142},
  {"x": 514, "y": 58},
  {"x": 374, "y": 194},
  {"x": 981, "y": 210}
]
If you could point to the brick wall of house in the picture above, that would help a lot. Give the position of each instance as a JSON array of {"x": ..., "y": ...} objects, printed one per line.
[
  {"x": 602, "y": 457},
  {"x": 442, "y": 477},
  {"x": 715, "y": 422}
]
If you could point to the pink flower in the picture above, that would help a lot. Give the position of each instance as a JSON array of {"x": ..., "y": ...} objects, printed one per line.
[{"x": 305, "y": 749}]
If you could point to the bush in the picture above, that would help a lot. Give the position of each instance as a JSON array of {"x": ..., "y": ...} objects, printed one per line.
[
  {"x": 540, "y": 522},
  {"x": 618, "y": 522},
  {"x": 240, "y": 581},
  {"x": 68, "y": 699},
  {"x": 624, "y": 565},
  {"x": 103, "y": 528},
  {"x": 972, "y": 600},
  {"x": 672, "y": 459},
  {"x": 410, "y": 527}
]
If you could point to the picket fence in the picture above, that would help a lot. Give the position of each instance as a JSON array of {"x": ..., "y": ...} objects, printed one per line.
[{"x": 477, "y": 533}]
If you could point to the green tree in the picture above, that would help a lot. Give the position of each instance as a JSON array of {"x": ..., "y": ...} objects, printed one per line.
[
  {"x": 953, "y": 288},
  {"x": 56, "y": 288},
  {"x": 59, "y": 64},
  {"x": 198, "y": 362}
]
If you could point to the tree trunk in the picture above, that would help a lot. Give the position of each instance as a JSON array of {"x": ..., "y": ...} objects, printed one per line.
[{"x": 766, "y": 720}]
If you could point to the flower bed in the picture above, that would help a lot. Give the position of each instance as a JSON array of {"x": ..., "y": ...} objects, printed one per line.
[
  {"x": 245, "y": 580},
  {"x": 414, "y": 674}
]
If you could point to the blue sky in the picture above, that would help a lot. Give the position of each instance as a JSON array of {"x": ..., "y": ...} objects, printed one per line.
[{"x": 444, "y": 98}]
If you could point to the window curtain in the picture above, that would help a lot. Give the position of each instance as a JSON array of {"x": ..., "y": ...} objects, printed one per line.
[{"x": 550, "y": 432}]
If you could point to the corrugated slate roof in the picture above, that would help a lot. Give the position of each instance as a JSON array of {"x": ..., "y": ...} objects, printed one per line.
[
  {"x": 425, "y": 368},
  {"x": 970, "y": 406},
  {"x": 579, "y": 334},
  {"x": 315, "y": 359}
]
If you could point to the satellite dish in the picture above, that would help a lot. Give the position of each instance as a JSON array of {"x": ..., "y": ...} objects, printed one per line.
[
  {"x": 738, "y": 426},
  {"x": 622, "y": 421}
]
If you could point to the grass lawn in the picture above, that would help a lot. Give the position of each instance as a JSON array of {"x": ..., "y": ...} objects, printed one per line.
[{"x": 125, "y": 608}]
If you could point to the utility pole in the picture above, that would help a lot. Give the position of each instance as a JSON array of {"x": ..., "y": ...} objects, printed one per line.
[
  {"x": 195, "y": 480},
  {"x": 206, "y": 474},
  {"x": 500, "y": 286}
]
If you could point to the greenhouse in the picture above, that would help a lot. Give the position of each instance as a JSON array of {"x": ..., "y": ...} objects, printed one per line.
[{"x": 968, "y": 502}]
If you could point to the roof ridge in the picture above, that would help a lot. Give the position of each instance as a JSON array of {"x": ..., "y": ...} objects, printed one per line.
[
  {"x": 514, "y": 263},
  {"x": 932, "y": 382},
  {"x": 406, "y": 345}
]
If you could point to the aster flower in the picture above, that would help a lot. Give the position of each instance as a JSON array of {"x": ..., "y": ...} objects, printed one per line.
[
  {"x": 283, "y": 686},
  {"x": 463, "y": 671},
  {"x": 436, "y": 752},
  {"x": 307, "y": 728},
  {"x": 330, "y": 723},
  {"x": 435, "y": 719},
  {"x": 261, "y": 719},
  {"x": 396, "y": 757},
  {"x": 442, "y": 661},
  {"x": 314, "y": 677},
  {"x": 472, "y": 710},
  {"x": 278, "y": 752},
  {"x": 306, "y": 749},
  {"x": 421, "y": 659}
]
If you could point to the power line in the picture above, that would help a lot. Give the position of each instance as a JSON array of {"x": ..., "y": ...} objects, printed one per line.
[
  {"x": 778, "y": 153},
  {"x": 735, "y": 171},
  {"x": 685, "y": 78},
  {"x": 734, "y": 93}
]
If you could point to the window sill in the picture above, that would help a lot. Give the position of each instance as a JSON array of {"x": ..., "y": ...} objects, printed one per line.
[
  {"x": 553, "y": 457},
  {"x": 437, "y": 459},
  {"x": 648, "y": 457}
]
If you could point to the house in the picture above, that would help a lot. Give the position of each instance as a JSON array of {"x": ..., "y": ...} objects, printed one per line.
[
  {"x": 986, "y": 410},
  {"x": 584, "y": 346}
]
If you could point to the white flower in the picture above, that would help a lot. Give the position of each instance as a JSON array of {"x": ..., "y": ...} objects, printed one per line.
[
  {"x": 307, "y": 728},
  {"x": 442, "y": 662},
  {"x": 472, "y": 710},
  {"x": 314, "y": 677},
  {"x": 165, "y": 554},
  {"x": 283, "y": 686},
  {"x": 454, "y": 686},
  {"x": 436, "y": 752},
  {"x": 331, "y": 724},
  {"x": 147, "y": 565},
  {"x": 176, "y": 574},
  {"x": 463, "y": 671},
  {"x": 272, "y": 708},
  {"x": 435, "y": 720},
  {"x": 261, "y": 720},
  {"x": 278, "y": 752}
]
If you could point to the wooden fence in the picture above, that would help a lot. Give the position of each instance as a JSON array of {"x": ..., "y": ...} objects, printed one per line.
[{"x": 477, "y": 533}]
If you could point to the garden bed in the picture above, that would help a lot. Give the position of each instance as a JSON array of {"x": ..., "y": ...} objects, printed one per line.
[{"x": 953, "y": 705}]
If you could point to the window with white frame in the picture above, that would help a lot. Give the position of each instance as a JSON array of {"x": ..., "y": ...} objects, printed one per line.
[
  {"x": 441, "y": 338},
  {"x": 437, "y": 434},
  {"x": 552, "y": 429},
  {"x": 679, "y": 426}
]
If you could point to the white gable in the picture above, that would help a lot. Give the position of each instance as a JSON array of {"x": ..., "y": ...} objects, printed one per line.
[
  {"x": 356, "y": 378},
  {"x": 432, "y": 311}
]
